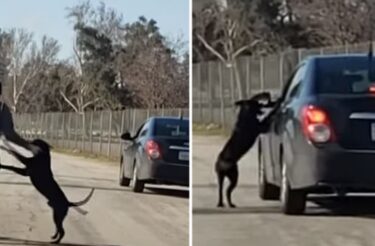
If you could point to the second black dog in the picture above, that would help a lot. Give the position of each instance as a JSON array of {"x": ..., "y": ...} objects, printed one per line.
[
  {"x": 38, "y": 168},
  {"x": 247, "y": 129}
]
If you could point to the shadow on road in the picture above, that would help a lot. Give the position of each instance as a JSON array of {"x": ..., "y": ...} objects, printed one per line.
[
  {"x": 66, "y": 185},
  {"x": 214, "y": 186},
  {"x": 168, "y": 192},
  {"x": 18, "y": 241},
  {"x": 354, "y": 206},
  {"x": 358, "y": 206},
  {"x": 238, "y": 210},
  {"x": 84, "y": 178}
]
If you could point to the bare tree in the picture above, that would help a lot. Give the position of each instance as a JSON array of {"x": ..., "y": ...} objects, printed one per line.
[
  {"x": 333, "y": 22},
  {"x": 227, "y": 33},
  {"x": 27, "y": 60},
  {"x": 78, "y": 91}
]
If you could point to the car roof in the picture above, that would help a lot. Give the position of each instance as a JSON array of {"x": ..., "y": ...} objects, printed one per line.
[
  {"x": 168, "y": 118},
  {"x": 335, "y": 56}
]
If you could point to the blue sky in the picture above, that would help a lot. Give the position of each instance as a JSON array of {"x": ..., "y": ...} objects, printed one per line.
[{"x": 49, "y": 17}]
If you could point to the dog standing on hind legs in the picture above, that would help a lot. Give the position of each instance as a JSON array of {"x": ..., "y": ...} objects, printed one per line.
[
  {"x": 38, "y": 168},
  {"x": 247, "y": 129}
]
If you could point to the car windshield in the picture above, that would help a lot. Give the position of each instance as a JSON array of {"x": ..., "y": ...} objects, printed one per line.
[
  {"x": 343, "y": 75},
  {"x": 172, "y": 128}
]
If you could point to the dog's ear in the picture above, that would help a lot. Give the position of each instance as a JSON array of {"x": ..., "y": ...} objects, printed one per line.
[
  {"x": 262, "y": 96},
  {"x": 239, "y": 102}
]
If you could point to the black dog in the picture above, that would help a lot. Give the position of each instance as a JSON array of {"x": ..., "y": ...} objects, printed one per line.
[
  {"x": 38, "y": 168},
  {"x": 247, "y": 129}
]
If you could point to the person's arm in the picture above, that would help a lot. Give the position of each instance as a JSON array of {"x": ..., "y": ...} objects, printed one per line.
[
  {"x": 9, "y": 149},
  {"x": 20, "y": 171},
  {"x": 7, "y": 129}
]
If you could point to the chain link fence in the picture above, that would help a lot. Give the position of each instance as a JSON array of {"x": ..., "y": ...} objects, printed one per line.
[
  {"x": 215, "y": 89},
  {"x": 91, "y": 132}
]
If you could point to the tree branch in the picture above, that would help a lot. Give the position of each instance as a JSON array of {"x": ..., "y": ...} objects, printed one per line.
[
  {"x": 68, "y": 101},
  {"x": 210, "y": 48},
  {"x": 242, "y": 49}
]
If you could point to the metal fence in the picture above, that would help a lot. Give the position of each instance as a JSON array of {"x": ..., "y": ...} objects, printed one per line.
[
  {"x": 91, "y": 132},
  {"x": 215, "y": 90}
]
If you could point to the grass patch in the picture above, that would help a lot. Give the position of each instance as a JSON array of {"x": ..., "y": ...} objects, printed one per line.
[
  {"x": 88, "y": 155},
  {"x": 210, "y": 130}
]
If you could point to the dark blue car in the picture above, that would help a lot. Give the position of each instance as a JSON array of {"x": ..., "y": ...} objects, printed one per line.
[
  {"x": 323, "y": 137},
  {"x": 157, "y": 153}
]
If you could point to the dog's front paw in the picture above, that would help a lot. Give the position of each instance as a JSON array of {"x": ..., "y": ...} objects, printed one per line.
[
  {"x": 220, "y": 205},
  {"x": 232, "y": 205}
]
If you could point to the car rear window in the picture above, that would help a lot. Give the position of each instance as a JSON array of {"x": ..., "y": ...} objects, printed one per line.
[
  {"x": 343, "y": 75},
  {"x": 171, "y": 128}
]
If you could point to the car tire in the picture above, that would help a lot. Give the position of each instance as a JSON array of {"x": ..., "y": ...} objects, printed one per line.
[
  {"x": 123, "y": 181},
  {"x": 267, "y": 191},
  {"x": 293, "y": 201},
  {"x": 138, "y": 186}
]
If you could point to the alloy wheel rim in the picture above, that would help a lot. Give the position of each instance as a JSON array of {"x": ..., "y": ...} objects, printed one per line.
[
  {"x": 135, "y": 174},
  {"x": 284, "y": 183},
  {"x": 121, "y": 171},
  {"x": 261, "y": 171}
]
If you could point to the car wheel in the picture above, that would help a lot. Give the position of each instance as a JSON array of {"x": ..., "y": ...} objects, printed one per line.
[
  {"x": 138, "y": 185},
  {"x": 292, "y": 201},
  {"x": 267, "y": 191},
  {"x": 123, "y": 181}
]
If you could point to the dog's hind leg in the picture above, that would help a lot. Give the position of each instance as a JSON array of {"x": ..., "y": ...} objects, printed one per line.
[
  {"x": 58, "y": 217},
  {"x": 220, "y": 178},
  {"x": 233, "y": 178}
]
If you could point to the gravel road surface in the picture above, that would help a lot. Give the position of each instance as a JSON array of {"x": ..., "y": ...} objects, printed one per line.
[
  {"x": 117, "y": 216},
  {"x": 328, "y": 221}
]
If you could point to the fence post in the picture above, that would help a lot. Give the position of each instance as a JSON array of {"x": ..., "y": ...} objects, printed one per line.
[
  {"x": 210, "y": 94},
  {"x": 53, "y": 134},
  {"x": 69, "y": 128},
  {"x": 199, "y": 91},
  {"x": 232, "y": 86},
  {"x": 299, "y": 55},
  {"x": 248, "y": 81},
  {"x": 122, "y": 129},
  {"x": 346, "y": 48},
  {"x": 101, "y": 132},
  {"x": 162, "y": 111},
  {"x": 222, "y": 110},
  {"x": 76, "y": 130},
  {"x": 133, "y": 125},
  {"x": 83, "y": 131},
  {"x": 61, "y": 128},
  {"x": 109, "y": 134},
  {"x": 91, "y": 125},
  {"x": 46, "y": 126},
  {"x": 261, "y": 72},
  {"x": 281, "y": 67}
]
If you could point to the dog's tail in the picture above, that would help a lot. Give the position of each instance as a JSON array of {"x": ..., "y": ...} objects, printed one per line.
[{"x": 84, "y": 201}]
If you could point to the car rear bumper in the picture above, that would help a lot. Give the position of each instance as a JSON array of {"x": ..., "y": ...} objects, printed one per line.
[
  {"x": 167, "y": 173},
  {"x": 335, "y": 167}
]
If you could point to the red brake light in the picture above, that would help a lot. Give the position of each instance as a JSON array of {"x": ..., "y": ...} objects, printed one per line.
[
  {"x": 316, "y": 125},
  {"x": 153, "y": 150},
  {"x": 372, "y": 89}
]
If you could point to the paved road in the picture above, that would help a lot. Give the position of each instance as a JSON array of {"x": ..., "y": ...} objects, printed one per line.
[
  {"x": 116, "y": 215},
  {"x": 327, "y": 221}
]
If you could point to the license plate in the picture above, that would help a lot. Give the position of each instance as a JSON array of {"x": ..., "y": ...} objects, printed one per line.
[
  {"x": 183, "y": 156},
  {"x": 373, "y": 131}
]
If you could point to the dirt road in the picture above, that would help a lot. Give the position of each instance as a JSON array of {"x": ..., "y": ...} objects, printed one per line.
[
  {"x": 328, "y": 221},
  {"x": 117, "y": 216}
]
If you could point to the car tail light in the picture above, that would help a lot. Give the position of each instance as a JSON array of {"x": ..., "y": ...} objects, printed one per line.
[
  {"x": 153, "y": 150},
  {"x": 316, "y": 125}
]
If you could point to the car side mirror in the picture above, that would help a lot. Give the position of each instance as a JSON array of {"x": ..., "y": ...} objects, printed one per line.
[{"x": 126, "y": 136}]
